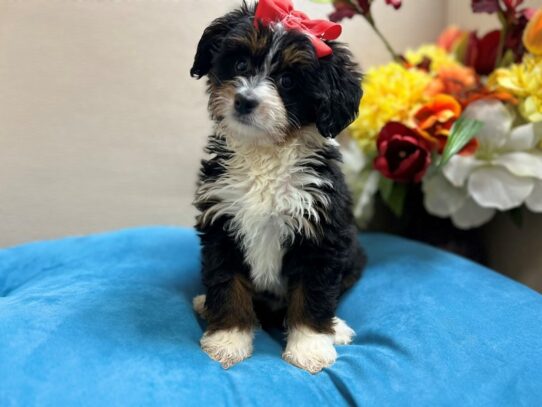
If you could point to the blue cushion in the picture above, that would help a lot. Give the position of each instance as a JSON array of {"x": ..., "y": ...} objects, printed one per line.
[{"x": 107, "y": 320}]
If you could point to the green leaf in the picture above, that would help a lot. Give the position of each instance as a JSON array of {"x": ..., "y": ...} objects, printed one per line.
[
  {"x": 394, "y": 195},
  {"x": 507, "y": 59},
  {"x": 385, "y": 186},
  {"x": 461, "y": 134},
  {"x": 460, "y": 50}
]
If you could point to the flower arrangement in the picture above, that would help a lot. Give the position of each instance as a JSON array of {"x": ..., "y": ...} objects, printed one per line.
[{"x": 461, "y": 119}]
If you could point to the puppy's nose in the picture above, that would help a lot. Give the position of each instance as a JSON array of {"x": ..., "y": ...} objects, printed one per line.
[{"x": 245, "y": 104}]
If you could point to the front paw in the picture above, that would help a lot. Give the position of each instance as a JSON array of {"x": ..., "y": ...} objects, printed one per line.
[
  {"x": 309, "y": 350},
  {"x": 228, "y": 346}
]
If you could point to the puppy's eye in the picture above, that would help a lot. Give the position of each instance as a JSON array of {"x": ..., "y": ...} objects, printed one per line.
[
  {"x": 241, "y": 65},
  {"x": 286, "y": 82}
]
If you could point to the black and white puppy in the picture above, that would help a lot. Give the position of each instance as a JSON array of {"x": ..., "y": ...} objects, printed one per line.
[{"x": 275, "y": 221}]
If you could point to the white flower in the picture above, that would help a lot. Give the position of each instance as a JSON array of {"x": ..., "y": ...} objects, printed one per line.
[
  {"x": 362, "y": 180},
  {"x": 505, "y": 172}
]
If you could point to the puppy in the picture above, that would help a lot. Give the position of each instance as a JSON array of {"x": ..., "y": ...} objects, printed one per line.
[{"x": 276, "y": 227}]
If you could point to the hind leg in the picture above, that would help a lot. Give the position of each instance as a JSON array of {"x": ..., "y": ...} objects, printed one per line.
[
  {"x": 198, "y": 303},
  {"x": 343, "y": 334}
]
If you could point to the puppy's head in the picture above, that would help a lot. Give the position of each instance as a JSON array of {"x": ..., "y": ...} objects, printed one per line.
[{"x": 266, "y": 82}]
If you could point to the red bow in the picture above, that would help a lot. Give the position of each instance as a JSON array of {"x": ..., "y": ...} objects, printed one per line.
[{"x": 282, "y": 11}]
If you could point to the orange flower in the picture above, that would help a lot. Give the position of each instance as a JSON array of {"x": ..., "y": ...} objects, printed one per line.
[
  {"x": 464, "y": 85},
  {"x": 450, "y": 38},
  {"x": 484, "y": 93},
  {"x": 453, "y": 80},
  {"x": 532, "y": 36},
  {"x": 435, "y": 119}
]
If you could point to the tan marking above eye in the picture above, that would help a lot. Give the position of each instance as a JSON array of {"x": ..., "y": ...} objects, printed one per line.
[
  {"x": 252, "y": 40},
  {"x": 295, "y": 56}
]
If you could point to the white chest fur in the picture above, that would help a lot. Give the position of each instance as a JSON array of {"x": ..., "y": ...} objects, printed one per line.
[{"x": 270, "y": 193}]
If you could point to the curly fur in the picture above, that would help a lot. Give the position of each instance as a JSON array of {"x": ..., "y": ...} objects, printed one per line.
[{"x": 275, "y": 218}]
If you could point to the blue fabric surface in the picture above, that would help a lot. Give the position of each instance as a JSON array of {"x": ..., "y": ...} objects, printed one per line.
[{"x": 106, "y": 320}]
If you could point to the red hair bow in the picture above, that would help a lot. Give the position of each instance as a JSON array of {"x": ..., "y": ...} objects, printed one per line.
[{"x": 282, "y": 11}]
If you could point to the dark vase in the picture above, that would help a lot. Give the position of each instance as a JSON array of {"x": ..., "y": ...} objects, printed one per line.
[{"x": 417, "y": 224}]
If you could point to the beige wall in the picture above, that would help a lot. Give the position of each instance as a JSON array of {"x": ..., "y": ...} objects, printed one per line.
[{"x": 101, "y": 126}]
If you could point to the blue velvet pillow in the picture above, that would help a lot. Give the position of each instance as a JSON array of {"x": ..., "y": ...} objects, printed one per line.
[{"x": 107, "y": 320}]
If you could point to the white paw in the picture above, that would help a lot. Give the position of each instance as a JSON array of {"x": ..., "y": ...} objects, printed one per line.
[
  {"x": 343, "y": 333},
  {"x": 309, "y": 350},
  {"x": 227, "y": 346},
  {"x": 198, "y": 303}
]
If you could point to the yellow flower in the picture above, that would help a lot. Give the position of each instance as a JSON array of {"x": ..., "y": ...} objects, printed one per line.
[
  {"x": 524, "y": 81},
  {"x": 391, "y": 92},
  {"x": 438, "y": 56}
]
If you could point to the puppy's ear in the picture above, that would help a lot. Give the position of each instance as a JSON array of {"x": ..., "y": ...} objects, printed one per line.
[
  {"x": 212, "y": 38},
  {"x": 339, "y": 91}
]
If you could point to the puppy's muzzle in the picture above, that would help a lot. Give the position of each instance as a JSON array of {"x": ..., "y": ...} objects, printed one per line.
[{"x": 245, "y": 103}]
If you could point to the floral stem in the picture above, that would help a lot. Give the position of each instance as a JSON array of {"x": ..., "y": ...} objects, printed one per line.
[
  {"x": 500, "y": 51},
  {"x": 394, "y": 55}
]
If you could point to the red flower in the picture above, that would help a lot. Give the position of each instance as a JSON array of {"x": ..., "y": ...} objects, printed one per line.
[
  {"x": 342, "y": 10},
  {"x": 514, "y": 18},
  {"x": 514, "y": 37},
  {"x": 395, "y": 3},
  {"x": 349, "y": 8},
  {"x": 365, "y": 6},
  {"x": 482, "y": 52},
  {"x": 485, "y": 6},
  {"x": 403, "y": 155},
  {"x": 512, "y": 4},
  {"x": 493, "y": 6}
]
